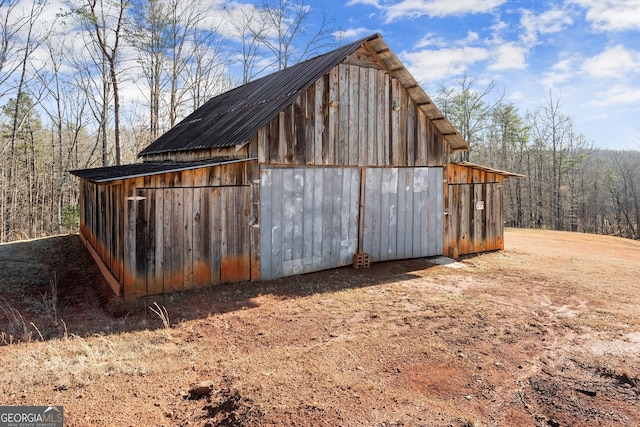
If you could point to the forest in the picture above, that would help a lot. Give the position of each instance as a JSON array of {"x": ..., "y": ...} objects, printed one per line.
[{"x": 93, "y": 84}]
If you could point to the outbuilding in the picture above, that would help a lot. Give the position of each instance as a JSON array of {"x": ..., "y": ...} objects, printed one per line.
[{"x": 342, "y": 159}]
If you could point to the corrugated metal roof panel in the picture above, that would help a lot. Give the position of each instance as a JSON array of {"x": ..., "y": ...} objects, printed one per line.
[
  {"x": 114, "y": 173},
  {"x": 488, "y": 169}
]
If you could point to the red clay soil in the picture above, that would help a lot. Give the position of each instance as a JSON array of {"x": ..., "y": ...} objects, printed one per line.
[{"x": 545, "y": 333}]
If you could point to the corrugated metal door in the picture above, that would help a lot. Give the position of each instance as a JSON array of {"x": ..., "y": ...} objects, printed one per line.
[
  {"x": 309, "y": 219},
  {"x": 403, "y": 213}
]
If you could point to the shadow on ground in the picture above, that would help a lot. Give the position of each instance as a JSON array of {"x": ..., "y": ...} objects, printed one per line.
[{"x": 51, "y": 287}]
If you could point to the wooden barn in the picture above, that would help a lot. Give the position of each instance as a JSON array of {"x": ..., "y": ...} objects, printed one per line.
[{"x": 337, "y": 160}]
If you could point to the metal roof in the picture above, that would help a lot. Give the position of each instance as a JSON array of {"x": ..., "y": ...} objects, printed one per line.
[
  {"x": 114, "y": 173},
  {"x": 488, "y": 169},
  {"x": 233, "y": 117}
]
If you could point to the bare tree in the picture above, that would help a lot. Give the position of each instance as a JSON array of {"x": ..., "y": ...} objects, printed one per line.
[
  {"x": 625, "y": 193},
  {"x": 90, "y": 78},
  {"x": 65, "y": 110},
  {"x": 505, "y": 148},
  {"x": 287, "y": 36},
  {"x": 250, "y": 30},
  {"x": 206, "y": 74},
  {"x": 468, "y": 109},
  {"x": 147, "y": 30},
  {"x": 11, "y": 24},
  {"x": 18, "y": 111},
  {"x": 552, "y": 128},
  {"x": 105, "y": 19}
]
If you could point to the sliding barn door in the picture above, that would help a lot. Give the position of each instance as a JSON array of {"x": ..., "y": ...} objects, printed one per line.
[
  {"x": 309, "y": 219},
  {"x": 314, "y": 218},
  {"x": 403, "y": 213}
]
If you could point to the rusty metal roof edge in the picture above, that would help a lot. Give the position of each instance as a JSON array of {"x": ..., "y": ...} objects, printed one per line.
[
  {"x": 187, "y": 165},
  {"x": 488, "y": 169}
]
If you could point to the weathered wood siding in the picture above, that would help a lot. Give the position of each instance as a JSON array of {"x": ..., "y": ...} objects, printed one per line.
[
  {"x": 309, "y": 219},
  {"x": 175, "y": 230},
  {"x": 311, "y": 216},
  {"x": 474, "y": 202},
  {"x": 191, "y": 237},
  {"x": 238, "y": 152},
  {"x": 403, "y": 215},
  {"x": 353, "y": 116},
  {"x": 102, "y": 223}
]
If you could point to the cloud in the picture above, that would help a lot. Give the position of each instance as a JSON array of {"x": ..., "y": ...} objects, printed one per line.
[
  {"x": 614, "y": 62},
  {"x": 352, "y": 33},
  {"x": 433, "y": 65},
  {"x": 434, "y": 8},
  {"x": 430, "y": 39},
  {"x": 611, "y": 15},
  {"x": 374, "y": 3},
  {"x": 509, "y": 56},
  {"x": 616, "y": 95},
  {"x": 561, "y": 71},
  {"x": 548, "y": 22}
]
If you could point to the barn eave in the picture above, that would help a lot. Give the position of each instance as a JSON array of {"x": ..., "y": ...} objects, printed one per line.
[{"x": 135, "y": 170}]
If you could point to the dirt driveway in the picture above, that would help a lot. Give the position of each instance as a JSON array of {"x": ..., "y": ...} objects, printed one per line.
[{"x": 546, "y": 333}]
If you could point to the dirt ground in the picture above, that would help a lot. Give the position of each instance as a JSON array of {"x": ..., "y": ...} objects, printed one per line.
[{"x": 545, "y": 333}]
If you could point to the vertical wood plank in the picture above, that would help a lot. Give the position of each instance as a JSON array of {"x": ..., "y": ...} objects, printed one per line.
[
  {"x": 327, "y": 217},
  {"x": 234, "y": 262},
  {"x": 319, "y": 214},
  {"x": 177, "y": 240},
  {"x": 411, "y": 132},
  {"x": 201, "y": 237},
  {"x": 421, "y": 138},
  {"x": 371, "y": 141},
  {"x": 150, "y": 237},
  {"x": 308, "y": 213},
  {"x": 141, "y": 249},
  {"x": 394, "y": 137},
  {"x": 287, "y": 220},
  {"x": 263, "y": 145},
  {"x": 297, "y": 221},
  {"x": 420, "y": 213},
  {"x": 392, "y": 250},
  {"x": 187, "y": 254},
  {"x": 354, "y": 212},
  {"x": 283, "y": 132},
  {"x": 158, "y": 278},
  {"x": 330, "y": 136},
  {"x": 362, "y": 137},
  {"x": 266, "y": 224},
  {"x": 342, "y": 139},
  {"x": 385, "y": 126},
  {"x": 319, "y": 116},
  {"x": 215, "y": 243},
  {"x": 130, "y": 241},
  {"x": 167, "y": 239},
  {"x": 403, "y": 233},
  {"x": 277, "y": 225},
  {"x": 255, "y": 222},
  {"x": 437, "y": 198},
  {"x": 384, "y": 213}
]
